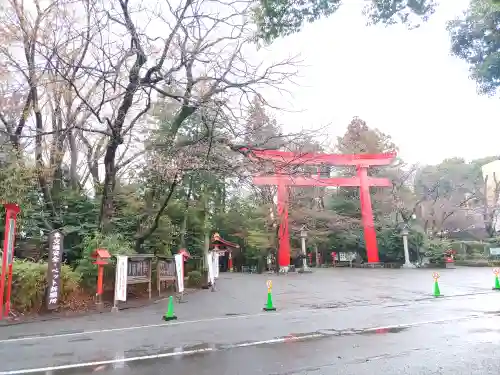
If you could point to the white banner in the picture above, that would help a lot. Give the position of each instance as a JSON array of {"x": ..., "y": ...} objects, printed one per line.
[
  {"x": 210, "y": 264},
  {"x": 179, "y": 269},
  {"x": 121, "y": 278},
  {"x": 216, "y": 265}
]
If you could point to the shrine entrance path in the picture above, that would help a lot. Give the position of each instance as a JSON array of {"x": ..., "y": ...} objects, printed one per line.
[
  {"x": 329, "y": 303},
  {"x": 245, "y": 294}
]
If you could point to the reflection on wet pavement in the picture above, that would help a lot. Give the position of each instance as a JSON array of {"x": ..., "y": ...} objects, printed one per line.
[
  {"x": 390, "y": 351},
  {"x": 360, "y": 330}
]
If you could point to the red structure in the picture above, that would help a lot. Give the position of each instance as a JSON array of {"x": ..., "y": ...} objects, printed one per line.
[
  {"x": 282, "y": 160},
  {"x": 223, "y": 246},
  {"x": 11, "y": 211},
  {"x": 101, "y": 258}
]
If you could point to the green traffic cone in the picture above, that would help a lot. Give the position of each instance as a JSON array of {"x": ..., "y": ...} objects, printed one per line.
[
  {"x": 170, "y": 310},
  {"x": 437, "y": 292},
  {"x": 497, "y": 283},
  {"x": 269, "y": 305}
]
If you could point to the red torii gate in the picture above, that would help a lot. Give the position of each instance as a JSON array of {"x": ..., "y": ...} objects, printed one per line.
[{"x": 361, "y": 161}]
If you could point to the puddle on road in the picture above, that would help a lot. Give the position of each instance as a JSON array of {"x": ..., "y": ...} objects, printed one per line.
[
  {"x": 484, "y": 330},
  {"x": 337, "y": 305},
  {"x": 41, "y": 335},
  {"x": 63, "y": 354},
  {"x": 382, "y": 331},
  {"x": 147, "y": 354},
  {"x": 492, "y": 313},
  {"x": 80, "y": 339},
  {"x": 195, "y": 349}
]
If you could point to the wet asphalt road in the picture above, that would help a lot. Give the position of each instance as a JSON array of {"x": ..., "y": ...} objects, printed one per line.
[{"x": 332, "y": 322}]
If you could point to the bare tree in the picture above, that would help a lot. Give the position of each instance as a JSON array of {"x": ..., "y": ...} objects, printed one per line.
[{"x": 199, "y": 61}]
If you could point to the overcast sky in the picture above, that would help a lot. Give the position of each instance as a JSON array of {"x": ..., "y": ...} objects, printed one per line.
[{"x": 403, "y": 82}]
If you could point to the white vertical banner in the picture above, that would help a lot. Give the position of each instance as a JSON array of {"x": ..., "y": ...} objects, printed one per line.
[
  {"x": 121, "y": 278},
  {"x": 179, "y": 269},
  {"x": 216, "y": 265},
  {"x": 210, "y": 263}
]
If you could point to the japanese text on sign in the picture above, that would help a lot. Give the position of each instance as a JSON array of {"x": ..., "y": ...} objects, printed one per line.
[
  {"x": 166, "y": 269},
  {"x": 121, "y": 278},
  {"x": 138, "y": 269},
  {"x": 54, "y": 269}
]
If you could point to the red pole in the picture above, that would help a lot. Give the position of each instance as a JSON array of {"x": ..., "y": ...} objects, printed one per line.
[
  {"x": 230, "y": 261},
  {"x": 283, "y": 235},
  {"x": 13, "y": 216},
  {"x": 100, "y": 277},
  {"x": 9, "y": 288},
  {"x": 367, "y": 216},
  {"x": 4, "y": 269},
  {"x": 12, "y": 210}
]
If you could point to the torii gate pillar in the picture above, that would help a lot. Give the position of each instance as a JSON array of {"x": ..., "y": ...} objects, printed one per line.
[{"x": 284, "y": 233}]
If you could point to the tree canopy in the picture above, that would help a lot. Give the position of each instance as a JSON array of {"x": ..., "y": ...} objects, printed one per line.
[
  {"x": 278, "y": 18},
  {"x": 475, "y": 38}
]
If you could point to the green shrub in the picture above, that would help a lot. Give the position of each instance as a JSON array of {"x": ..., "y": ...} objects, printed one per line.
[
  {"x": 435, "y": 250},
  {"x": 29, "y": 284},
  {"x": 114, "y": 243},
  {"x": 194, "y": 279}
]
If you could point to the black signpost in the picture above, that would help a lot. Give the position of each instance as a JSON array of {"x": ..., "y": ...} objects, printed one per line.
[{"x": 54, "y": 269}]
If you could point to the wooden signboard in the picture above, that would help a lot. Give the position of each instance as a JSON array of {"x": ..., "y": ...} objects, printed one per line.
[
  {"x": 165, "y": 272},
  {"x": 139, "y": 270}
]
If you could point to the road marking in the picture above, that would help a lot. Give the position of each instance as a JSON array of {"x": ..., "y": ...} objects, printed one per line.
[
  {"x": 156, "y": 356},
  {"x": 177, "y": 323},
  {"x": 180, "y": 353},
  {"x": 207, "y": 320}
]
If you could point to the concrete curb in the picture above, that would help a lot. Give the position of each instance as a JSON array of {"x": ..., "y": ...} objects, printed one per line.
[{"x": 75, "y": 315}]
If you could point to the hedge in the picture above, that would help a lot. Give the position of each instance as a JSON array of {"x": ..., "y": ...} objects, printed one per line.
[{"x": 29, "y": 284}]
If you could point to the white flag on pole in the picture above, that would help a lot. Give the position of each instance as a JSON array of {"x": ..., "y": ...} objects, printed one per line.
[
  {"x": 179, "y": 269},
  {"x": 121, "y": 278},
  {"x": 210, "y": 264},
  {"x": 216, "y": 265}
]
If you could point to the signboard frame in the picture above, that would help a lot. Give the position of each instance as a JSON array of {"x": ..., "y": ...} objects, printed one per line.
[
  {"x": 143, "y": 259},
  {"x": 495, "y": 251},
  {"x": 165, "y": 272}
]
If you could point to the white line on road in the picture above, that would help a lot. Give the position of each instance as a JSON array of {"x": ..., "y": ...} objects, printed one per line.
[
  {"x": 241, "y": 345},
  {"x": 157, "y": 356},
  {"x": 177, "y": 323}
]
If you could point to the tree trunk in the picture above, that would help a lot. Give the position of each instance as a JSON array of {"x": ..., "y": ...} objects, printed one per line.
[
  {"x": 206, "y": 224},
  {"x": 186, "y": 214},
  {"x": 141, "y": 238},
  {"x": 73, "y": 161},
  {"x": 40, "y": 165},
  {"x": 109, "y": 186}
]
